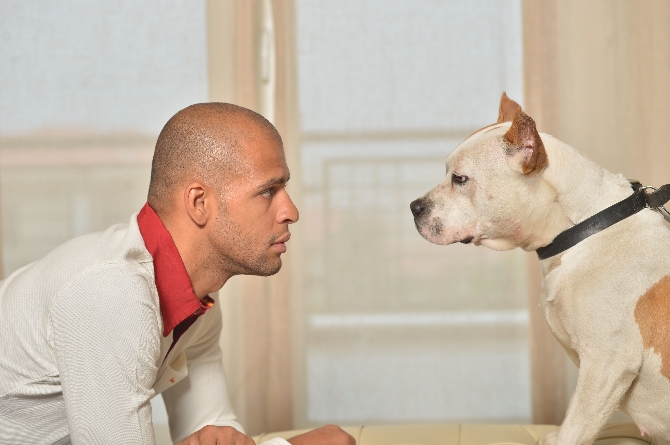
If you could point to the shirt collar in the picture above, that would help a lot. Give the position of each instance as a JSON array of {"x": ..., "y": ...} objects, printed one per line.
[{"x": 175, "y": 290}]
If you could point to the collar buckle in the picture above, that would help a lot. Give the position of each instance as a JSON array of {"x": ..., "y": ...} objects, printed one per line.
[{"x": 660, "y": 209}]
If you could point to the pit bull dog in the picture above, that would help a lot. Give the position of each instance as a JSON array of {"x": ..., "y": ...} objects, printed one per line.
[{"x": 606, "y": 298}]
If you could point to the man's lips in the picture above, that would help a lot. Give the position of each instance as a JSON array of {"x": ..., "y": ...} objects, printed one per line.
[
  {"x": 280, "y": 243},
  {"x": 282, "y": 239}
]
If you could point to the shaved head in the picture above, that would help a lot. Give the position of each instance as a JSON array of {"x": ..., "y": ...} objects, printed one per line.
[{"x": 204, "y": 142}]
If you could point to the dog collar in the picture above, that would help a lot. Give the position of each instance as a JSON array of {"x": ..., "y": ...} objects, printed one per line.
[{"x": 639, "y": 200}]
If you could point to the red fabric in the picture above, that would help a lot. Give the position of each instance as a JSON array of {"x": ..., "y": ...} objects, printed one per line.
[{"x": 175, "y": 290}]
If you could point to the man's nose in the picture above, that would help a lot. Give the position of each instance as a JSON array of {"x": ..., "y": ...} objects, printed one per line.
[
  {"x": 417, "y": 206},
  {"x": 289, "y": 212}
]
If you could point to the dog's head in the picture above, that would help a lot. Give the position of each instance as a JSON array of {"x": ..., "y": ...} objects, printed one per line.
[{"x": 489, "y": 191}]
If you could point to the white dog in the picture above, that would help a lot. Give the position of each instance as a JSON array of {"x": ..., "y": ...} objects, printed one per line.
[{"x": 606, "y": 291}]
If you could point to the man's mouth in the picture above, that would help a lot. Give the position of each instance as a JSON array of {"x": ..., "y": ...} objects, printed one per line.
[{"x": 279, "y": 243}]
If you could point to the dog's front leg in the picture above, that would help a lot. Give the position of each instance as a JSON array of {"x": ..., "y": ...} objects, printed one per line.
[{"x": 601, "y": 384}]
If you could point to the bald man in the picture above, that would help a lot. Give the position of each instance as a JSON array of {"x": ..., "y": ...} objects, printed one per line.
[{"x": 95, "y": 329}]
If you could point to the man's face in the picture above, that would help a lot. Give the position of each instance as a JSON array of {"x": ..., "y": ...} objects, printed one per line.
[{"x": 254, "y": 212}]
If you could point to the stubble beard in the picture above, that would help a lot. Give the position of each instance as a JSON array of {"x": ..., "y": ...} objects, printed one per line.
[{"x": 233, "y": 251}]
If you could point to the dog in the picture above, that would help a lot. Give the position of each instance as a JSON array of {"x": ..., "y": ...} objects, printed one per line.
[{"x": 606, "y": 298}]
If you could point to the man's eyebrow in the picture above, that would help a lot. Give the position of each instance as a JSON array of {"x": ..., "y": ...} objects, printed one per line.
[{"x": 274, "y": 181}]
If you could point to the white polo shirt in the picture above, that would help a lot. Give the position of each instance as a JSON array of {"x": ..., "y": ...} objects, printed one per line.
[{"x": 92, "y": 331}]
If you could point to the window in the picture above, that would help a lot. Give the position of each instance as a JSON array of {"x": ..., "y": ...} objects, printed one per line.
[{"x": 398, "y": 329}]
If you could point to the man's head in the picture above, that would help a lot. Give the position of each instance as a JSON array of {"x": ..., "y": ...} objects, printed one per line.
[{"x": 217, "y": 182}]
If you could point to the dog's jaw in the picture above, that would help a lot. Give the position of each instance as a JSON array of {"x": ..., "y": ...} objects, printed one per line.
[{"x": 498, "y": 244}]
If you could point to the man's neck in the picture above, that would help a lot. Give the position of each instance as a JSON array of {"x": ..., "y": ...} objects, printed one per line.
[{"x": 194, "y": 252}]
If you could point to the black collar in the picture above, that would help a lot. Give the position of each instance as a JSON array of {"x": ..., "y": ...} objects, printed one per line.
[{"x": 621, "y": 210}]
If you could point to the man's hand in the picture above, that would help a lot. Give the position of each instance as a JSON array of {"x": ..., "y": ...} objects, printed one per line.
[
  {"x": 326, "y": 435},
  {"x": 217, "y": 435}
]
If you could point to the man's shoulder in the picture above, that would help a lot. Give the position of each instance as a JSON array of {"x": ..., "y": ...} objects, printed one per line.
[
  {"x": 112, "y": 293},
  {"x": 102, "y": 282},
  {"x": 120, "y": 243},
  {"x": 115, "y": 259},
  {"x": 115, "y": 275}
]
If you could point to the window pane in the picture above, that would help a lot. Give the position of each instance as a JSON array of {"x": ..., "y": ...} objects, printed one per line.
[
  {"x": 398, "y": 329},
  {"x": 86, "y": 87}
]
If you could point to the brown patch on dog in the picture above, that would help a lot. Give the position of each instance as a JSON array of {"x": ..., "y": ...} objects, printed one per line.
[
  {"x": 652, "y": 315},
  {"x": 523, "y": 135},
  {"x": 506, "y": 112},
  {"x": 508, "y": 109}
]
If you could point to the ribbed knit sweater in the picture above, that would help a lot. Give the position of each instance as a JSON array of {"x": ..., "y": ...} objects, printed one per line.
[{"x": 82, "y": 350}]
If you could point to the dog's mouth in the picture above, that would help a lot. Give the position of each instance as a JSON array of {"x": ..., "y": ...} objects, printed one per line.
[
  {"x": 466, "y": 240},
  {"x": 433, "y": 229}
]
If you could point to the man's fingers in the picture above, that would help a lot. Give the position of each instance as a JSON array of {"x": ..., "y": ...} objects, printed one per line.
[
  {"x": 326, "y": 435},
  {"x": 218, "y": 435}
]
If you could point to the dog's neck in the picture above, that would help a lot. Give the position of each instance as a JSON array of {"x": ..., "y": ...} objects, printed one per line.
[{"x": 583, "y": 188}]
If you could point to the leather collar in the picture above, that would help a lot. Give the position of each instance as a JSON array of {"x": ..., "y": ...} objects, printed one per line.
[{"x": 639, "y": 200}]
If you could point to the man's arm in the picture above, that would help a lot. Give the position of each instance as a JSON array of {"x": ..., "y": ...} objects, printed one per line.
[
  {"x": 212, "y": 435},
  {"x": 201, "y": 398},
  {"x": 199, "y": 408},
  {"x": 105, "y": 334}
]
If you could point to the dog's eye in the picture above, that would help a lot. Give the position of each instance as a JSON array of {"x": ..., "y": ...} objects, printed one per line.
[{"x": 459, "y": 179}]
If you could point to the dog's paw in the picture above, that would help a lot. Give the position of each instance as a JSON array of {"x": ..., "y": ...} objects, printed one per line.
[{"x": 548, "y": 438}]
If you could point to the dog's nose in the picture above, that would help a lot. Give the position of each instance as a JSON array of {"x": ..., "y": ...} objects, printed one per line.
[{"x": 417, "y": 206}]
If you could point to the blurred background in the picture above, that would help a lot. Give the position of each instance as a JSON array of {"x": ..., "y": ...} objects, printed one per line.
[{"x": 367, "y": 322}]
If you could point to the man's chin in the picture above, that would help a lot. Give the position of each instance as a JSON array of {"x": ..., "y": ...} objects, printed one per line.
[
  {"x": 269, "y": 273},
  {"x": 267, "y": 269}
]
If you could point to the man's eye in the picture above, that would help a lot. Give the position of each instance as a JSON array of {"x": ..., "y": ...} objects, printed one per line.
[
  {"x": 268, "y": 192},
  {"x": 459, "y": 179}
]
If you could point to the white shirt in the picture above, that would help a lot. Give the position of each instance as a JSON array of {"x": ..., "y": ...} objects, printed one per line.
[{"x": 82, "y": 350}]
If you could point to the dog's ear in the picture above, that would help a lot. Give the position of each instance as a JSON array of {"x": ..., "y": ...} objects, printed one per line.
[
  {"x": 507, "y": 110},
  {"x": 525, "y": 150}
]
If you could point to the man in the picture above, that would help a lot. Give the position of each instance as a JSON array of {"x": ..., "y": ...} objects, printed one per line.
[{"x": 91, "y": 332}]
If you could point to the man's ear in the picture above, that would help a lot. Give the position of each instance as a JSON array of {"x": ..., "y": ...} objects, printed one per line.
[
  {"x": 525, "y": 150},
  {"x": 508, "y": 109},
  {"x": 199, "y": 202}
]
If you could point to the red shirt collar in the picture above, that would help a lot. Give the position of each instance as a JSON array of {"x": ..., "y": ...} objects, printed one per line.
[{"x": 175, "y": 290}]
